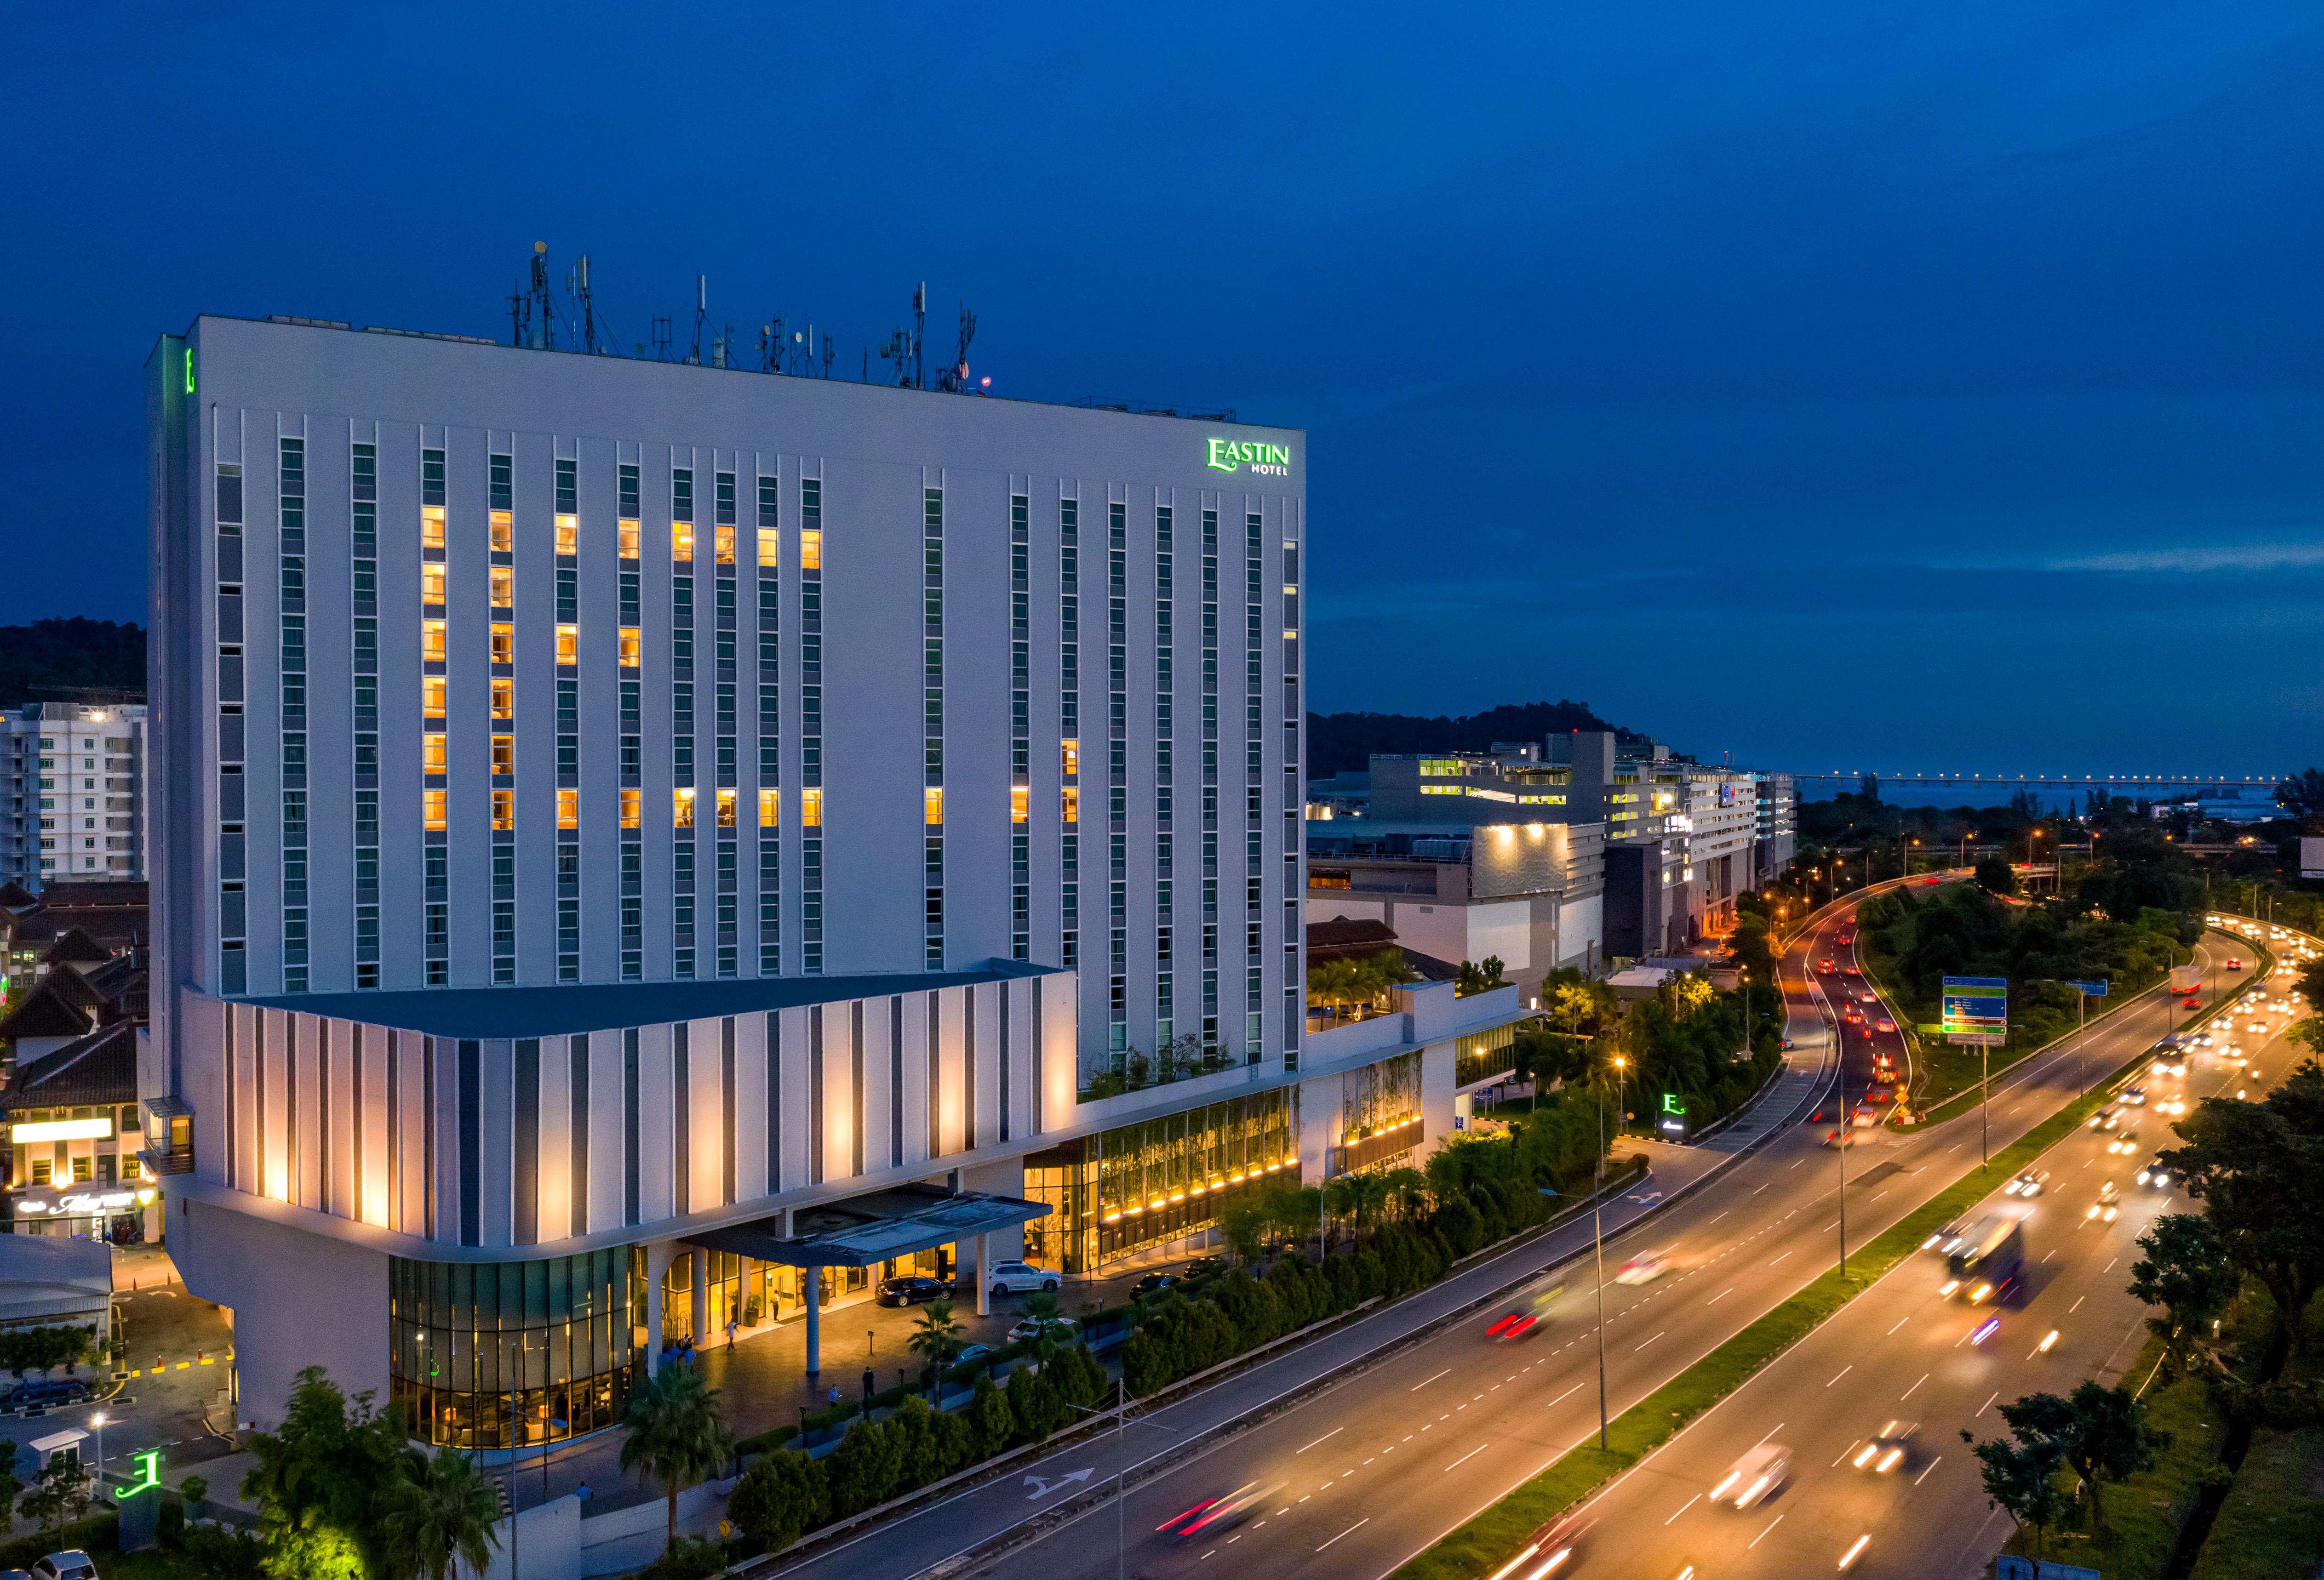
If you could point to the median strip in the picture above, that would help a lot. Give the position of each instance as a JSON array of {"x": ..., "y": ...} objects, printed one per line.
[{"x": 1483, "y": 1543}]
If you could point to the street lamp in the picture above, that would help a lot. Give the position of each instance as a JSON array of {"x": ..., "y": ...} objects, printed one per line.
[
  {"x": 97, "y": 1420},
  {"x": 1121, "y": 1472}
]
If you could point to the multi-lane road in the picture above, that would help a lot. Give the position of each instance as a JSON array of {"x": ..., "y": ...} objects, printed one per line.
[{"x": 1368, "y": 1461}]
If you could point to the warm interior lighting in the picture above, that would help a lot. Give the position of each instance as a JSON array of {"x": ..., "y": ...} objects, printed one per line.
[
  {"x": 724, "y": 543},
  {"x": 629, "y": 646},
  {"x": 768, "y": 548},
  {"x": 810, "y": 551},
  {"x": 569, "y": 644},
  {"x": 431, "y": 808},
  {"x": 932, "y": 806},
  {"x": 631, "y": 808},
  {"x": 504, "y": 643},
  {"x": 811, "y": 808},
  {"x": 627, "y": 532},
  {"x": 431, "y": 582},
  {"x": 503, "y": 585},
  {"x": 1019, "y": 805},
  {"x": 725, "y": 809},
  {"x": 569, "y": 809},
  {"x": 1073, "y": 756},
  {"x": 503, "y": 531},
  {"x": 770, "y": 807},
  {"x": 682, "y": 808},
  {"x": 431, "y": 696},
  {"x": 1070, "y": 809},
  {"x": 568, "y": 534},
  {"x": 681, "y": 540},
  {"x": 61, "y": 1130},
  {"x": 503, "y": 809},
  {"x": 431, "y": 640}
]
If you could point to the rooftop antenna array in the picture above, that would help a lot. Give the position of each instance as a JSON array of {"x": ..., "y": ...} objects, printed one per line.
[
  {"x": 920, "y": 337},
  {"x": 576, "y": 285},
  {"x": 701, "y": 315},
  {"x": 660, "y": 337},
  {"x": 955, "y": 377}
]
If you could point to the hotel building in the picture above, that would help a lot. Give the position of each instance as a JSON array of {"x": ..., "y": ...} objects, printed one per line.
[{"x": 642, "y": 844}]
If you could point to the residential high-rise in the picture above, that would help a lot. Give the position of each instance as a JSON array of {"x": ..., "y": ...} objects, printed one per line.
[
  {"x": 72, "y": 793},
  {"x": 608, "y": 805}
]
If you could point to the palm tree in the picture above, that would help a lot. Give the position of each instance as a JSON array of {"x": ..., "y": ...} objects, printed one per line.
[
  {"x": 1369, "y": 1194},
  {"x": 1407, "y": 1189},
  {"x": 676, "y": 1434},
  {"x": 936, "y": 1339},
  {"x": 439, "y": 1513}
]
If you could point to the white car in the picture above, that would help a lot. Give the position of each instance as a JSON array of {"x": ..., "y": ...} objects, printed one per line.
[
  {"x": 75, "y": 1564},
  {"x": 1643, "y": 1269},
  {"x": 1016, "y": 1278},
  {"x": 1756, "y": 1475},
  {"x": 1062, "y": 1326}
]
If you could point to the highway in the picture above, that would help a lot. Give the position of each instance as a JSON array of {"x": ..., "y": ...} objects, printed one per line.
[
  {"x": 1381, "y": 1461},
  {"x": 1903, "y": 1351}
]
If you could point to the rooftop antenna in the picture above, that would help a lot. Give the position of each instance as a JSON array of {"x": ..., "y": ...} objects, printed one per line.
[
  {"x": 544, "y": 331},
  {"x": 955, "y": 377},
  {"x": 661, "y": 337},
  {"x": 518, "y": 304},
  {"x": 830, "y": 350},
  {"x": 770, "y": 345},
  {"x": 798, "y": 349},
  {"x": 701, "y": 317},
  {"x": 920, "y": 337},
  {"x": 577, "y": 283}
]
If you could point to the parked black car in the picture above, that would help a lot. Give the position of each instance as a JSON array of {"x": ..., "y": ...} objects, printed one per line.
[
  {"x": 911, "y": 1291},
  {"x": 1154, "y": 1284},
  {"x": 47, "y": 1395},
  {"x": 1203, "y": 1267}
]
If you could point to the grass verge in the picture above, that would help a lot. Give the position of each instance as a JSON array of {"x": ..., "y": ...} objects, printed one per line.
[
  {"x": 2144, "y": 1514},
  {"x": 1486, "y": 1542},
  {"x": 2272, "y": 1523}
]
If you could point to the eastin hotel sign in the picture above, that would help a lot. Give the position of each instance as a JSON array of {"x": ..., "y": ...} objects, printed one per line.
[{"x": 1232, "y": 455}]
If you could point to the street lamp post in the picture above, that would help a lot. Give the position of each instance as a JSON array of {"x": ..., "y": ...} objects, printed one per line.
[
  {"x": 1121, "y": 1471},
  {"x": 97, "y": 1420},
  {"x": 1597, "y": 1255}
]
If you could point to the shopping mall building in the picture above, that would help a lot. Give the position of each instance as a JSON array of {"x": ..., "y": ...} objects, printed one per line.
[{"x": 643, "y": 844}]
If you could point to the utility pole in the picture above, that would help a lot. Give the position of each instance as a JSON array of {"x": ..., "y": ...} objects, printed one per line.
[{"x": 1598, "y": 1250}]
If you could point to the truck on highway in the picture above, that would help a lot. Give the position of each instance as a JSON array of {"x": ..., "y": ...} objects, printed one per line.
[
  {"x": 2185, "y": 979},
  {"x": 1983, "y": 1263}
]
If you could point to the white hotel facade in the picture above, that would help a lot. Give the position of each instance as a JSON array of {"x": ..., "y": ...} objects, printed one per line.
[{"x": 632, "y": 836}]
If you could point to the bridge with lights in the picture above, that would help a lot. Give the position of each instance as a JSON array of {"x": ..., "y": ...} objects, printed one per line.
[{"x": 2152, "y": 785}]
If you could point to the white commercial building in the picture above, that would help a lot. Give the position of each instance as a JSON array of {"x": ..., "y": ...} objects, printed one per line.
[
  {"x": 72, "y": 793},
  {"x": 648, "y": 843}
]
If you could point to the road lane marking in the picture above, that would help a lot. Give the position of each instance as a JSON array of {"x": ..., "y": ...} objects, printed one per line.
[
  {"x": 1828, "y": 1228},
  {"x": 1900, "y": 1324},
  {"x": 1682, "y": 1508},
  {"x": 2077, "y": 1305},
  {"x": 1987, "y": 1405},
  {"x": 1771, "y": 1432},
  {"x": 1844, "y": 1371},
  {"x": 1650, "y": 1341},
  {"x": 1778, "y": 1259},
  {"x": 1908, "y": 1392},
  {"x": 1763, "y": 1188},
  {"x": 1569, "y": 1393},
  {"x": 1852, "y": 1442},
  {"x": 2053, "y": 1251},
  {"x": 1464, "y": 1459},
  {"x": 1721, "y": 1215},
  {"x": 1720, "y": 1296},
  {"x": 1917, "y": 1480},
  {"x": 1755, "y": 1541},
  {"x": 1326, "y": 1437},
  {"x": 1359, "y": 1525},
  {"x": 1425, "y": 1381},
  {"x": 2110, "y": 1267}
]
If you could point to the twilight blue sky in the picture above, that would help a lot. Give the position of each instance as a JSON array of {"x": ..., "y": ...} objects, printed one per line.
[{"x": 1881, "y": 385}]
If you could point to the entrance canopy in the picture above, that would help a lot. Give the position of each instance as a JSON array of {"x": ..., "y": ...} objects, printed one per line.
[{"x": 868, "y": 1230}]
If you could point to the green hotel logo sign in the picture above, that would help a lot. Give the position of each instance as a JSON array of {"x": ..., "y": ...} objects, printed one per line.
[
  {"x": 149, "y": 1474},
  {"x": 1233, "y": 455}
]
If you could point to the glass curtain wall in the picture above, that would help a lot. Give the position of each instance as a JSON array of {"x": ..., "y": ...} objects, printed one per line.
[
  {"x": 1481, "y": 1055},
  {"x": 516, "y": 1353}
]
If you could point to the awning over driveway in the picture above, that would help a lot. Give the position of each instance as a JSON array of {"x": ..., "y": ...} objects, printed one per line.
[{"x": 868, "y": 1230}]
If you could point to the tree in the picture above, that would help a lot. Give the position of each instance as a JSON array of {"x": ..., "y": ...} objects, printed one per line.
[
  {"x": 2188, "y": 1272},
  {"x": 60, "y": 1495},
  {"x": 675, "y": 1435},
  {"x": 2302, "y": 796},
  {"x": 1994, "y": 876},
  {"x": 439, "y": 1513},
  {"x": 1048, "y": 1331},
  {"x": 2021, "y": 1477},
  {"x": 989, "y": 1416},
  {"x": 936, "y": 1338},
  {"x": 2111, "y": 1443},
  {"x": 1482, "y": 977},
  {"x": 780, "y": 1499},
  {"x": 2259, "y": 1175},
  {"x": 318, "y": 1480}
]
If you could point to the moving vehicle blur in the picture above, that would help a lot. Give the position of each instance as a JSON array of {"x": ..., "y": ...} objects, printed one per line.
[
  {"x": 1758, "y": 1476},
  {"x": 1983, "y": 1263}
]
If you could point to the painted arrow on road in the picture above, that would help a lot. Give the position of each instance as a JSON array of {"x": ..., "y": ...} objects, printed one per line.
[{"x": 1042, "y": 1487}]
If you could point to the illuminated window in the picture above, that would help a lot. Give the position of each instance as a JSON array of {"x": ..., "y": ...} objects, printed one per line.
[
  {"x": 503, "y": 754},
  {"x": 1072, "y": 752},
  {"x": 726, "y": 540},
  {"x": 629, "y": 646},
  {"x": 811, "y": 808},
  {"x": 568, "y": 534},
  {"x": 628, "y": 531},
  {"x": 503, "y": 531},
  {"x": 1019, "y": 805},
  {"x": 810, "y": 551},
  {"x": 681, "y": 808},
  {"x": 503, "y": 586},
  {"x": 504, "y": 697},
  {"x": 431, "y": 807},
  {"x": 933, "y": 801},
  {"x": 431, "y": 640},
  {"x": 569, "y": 809},
  {"x": 681, "y": 540},
  {"x": 503, "y": 809},
  {"x": 631, "y": 808},
  {"x": 767, "y": 545},
  {"x": 770, "y": 807},
  {"x": 432, "y": 754},
  {"x": 432, "y": 531},
  {"x": 431, "y": 696},
  {"x": 504, "y": 643},
  {"x": 725, "y": 809},
  {"x": 432, "y": 583},
  {"x": 1072, "y": 807},
  {"x": 569, "y": 644}
]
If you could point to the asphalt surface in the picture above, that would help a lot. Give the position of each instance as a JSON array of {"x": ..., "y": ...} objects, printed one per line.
[
  {"x": 1489, "y": 1395},
  {"x": 1904, "y": 1351}
]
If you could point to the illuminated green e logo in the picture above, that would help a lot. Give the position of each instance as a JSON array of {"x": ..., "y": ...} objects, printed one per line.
[
  {"x": 1671, "y": 1105},
  {"x": 149, "y": 1469}
]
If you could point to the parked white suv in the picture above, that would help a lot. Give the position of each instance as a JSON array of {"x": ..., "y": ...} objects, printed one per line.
[{"x": 1016, "y": 1278}]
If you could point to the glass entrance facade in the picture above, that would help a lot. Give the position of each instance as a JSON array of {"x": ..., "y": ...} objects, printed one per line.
[
  {"x": 1119, "y": 1191},
  {"x": 516, "y": 1353}
]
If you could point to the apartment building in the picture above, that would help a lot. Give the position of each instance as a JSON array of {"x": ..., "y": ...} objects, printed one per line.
[
  {"x": 72, "y": 793},
  {"x": 649, "y": 840}
]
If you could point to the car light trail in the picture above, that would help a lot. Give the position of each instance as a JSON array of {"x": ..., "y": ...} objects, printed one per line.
[{"x": 1848, "y": 1557}]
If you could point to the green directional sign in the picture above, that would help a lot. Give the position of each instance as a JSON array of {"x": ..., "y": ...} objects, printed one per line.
[{"x": 1976, "y": 1009}]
